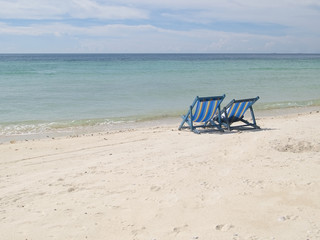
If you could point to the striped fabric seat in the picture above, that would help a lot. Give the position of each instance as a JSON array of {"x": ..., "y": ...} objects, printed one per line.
[
  {"x": 236, "y": 110},
  {"x": 204, "y": 110}
]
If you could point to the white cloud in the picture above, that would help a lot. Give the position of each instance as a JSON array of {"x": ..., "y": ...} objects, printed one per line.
[
  {"x": 280, "y": 11},
  {"x": 61, "y": 29},
  {"x": 59, "y": 9}
]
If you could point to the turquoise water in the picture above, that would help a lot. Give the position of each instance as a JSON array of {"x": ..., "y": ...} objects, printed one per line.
[{"x": 40, "y": 92}]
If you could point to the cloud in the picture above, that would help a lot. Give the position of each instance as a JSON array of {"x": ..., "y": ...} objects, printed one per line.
[
  {"x": 280, "y": 11},
  {"x": 61, "y": 9},
  {"x": 61, "y": 29}
]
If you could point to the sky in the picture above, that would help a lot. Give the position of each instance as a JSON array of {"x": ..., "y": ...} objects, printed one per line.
[{"x": 159, "y": 26}]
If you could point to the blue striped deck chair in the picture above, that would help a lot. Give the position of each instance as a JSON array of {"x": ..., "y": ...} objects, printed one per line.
[
  {"x": 204, "y": 112},
  {"x": 235, "y": 111}
]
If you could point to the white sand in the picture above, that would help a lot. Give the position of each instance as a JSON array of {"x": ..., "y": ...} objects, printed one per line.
[{"x": 161, "y": 183}]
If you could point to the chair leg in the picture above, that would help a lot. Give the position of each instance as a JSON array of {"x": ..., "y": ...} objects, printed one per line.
[
  {"x": 219, "y": 120},
  {"x": 228, "y": 124},
  {"x": 253, "y": 118},
  {"x": 196, "y": 131},
  {"x": 185, "y": 119},
  {"x": 191, "y": 119},
  {"x": 218, "y": 125}
]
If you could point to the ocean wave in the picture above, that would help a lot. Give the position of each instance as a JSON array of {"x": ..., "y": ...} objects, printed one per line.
[
  {"x": 287, "y": 104},
  {"x": 30, "y": 128}
]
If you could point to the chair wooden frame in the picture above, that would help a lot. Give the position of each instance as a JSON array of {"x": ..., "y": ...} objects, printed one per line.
[
  {"x": 235, "y": 111},
  {"x": 205, "y": 111}
]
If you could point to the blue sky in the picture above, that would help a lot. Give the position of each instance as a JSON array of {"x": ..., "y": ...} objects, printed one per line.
[{"x": 166, "y": 26}]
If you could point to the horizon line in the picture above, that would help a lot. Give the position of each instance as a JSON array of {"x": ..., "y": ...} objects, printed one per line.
[{"x": 257, "y": 53}]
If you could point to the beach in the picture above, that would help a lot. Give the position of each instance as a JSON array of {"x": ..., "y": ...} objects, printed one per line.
[{"x": 154, "y": 182}]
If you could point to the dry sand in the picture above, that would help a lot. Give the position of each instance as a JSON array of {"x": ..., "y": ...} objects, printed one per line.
[{"x": 158, "y": 183}]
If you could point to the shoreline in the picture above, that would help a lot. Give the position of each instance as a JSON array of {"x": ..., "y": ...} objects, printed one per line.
[{"x": 131, "y": 125}]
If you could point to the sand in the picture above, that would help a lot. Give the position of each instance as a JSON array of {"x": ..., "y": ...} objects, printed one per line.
[{"x": 158, "y": 183}]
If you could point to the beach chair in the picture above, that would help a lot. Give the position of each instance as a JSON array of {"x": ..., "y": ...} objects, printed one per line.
[
  {"x": 235, "y": 111},
  {"x": 204, "y": 112}
]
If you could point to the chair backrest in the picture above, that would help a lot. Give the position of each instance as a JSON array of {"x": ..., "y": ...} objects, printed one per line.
[
  {"x": 237, "y": 108},
  {"x": 206, "y": 108}
]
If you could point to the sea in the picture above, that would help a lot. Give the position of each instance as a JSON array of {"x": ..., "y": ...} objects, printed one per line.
[{"x": 41, "y": 93}]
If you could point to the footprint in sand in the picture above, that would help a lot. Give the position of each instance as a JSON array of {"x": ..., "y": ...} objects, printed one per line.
[
  {"x": 71, "y": 189},
  {"x": 155, "y": 188},
  {"x": 179, "y": 229},
  {"x": 286, "y": 218},
  {"x": 224, "y": 227}
]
